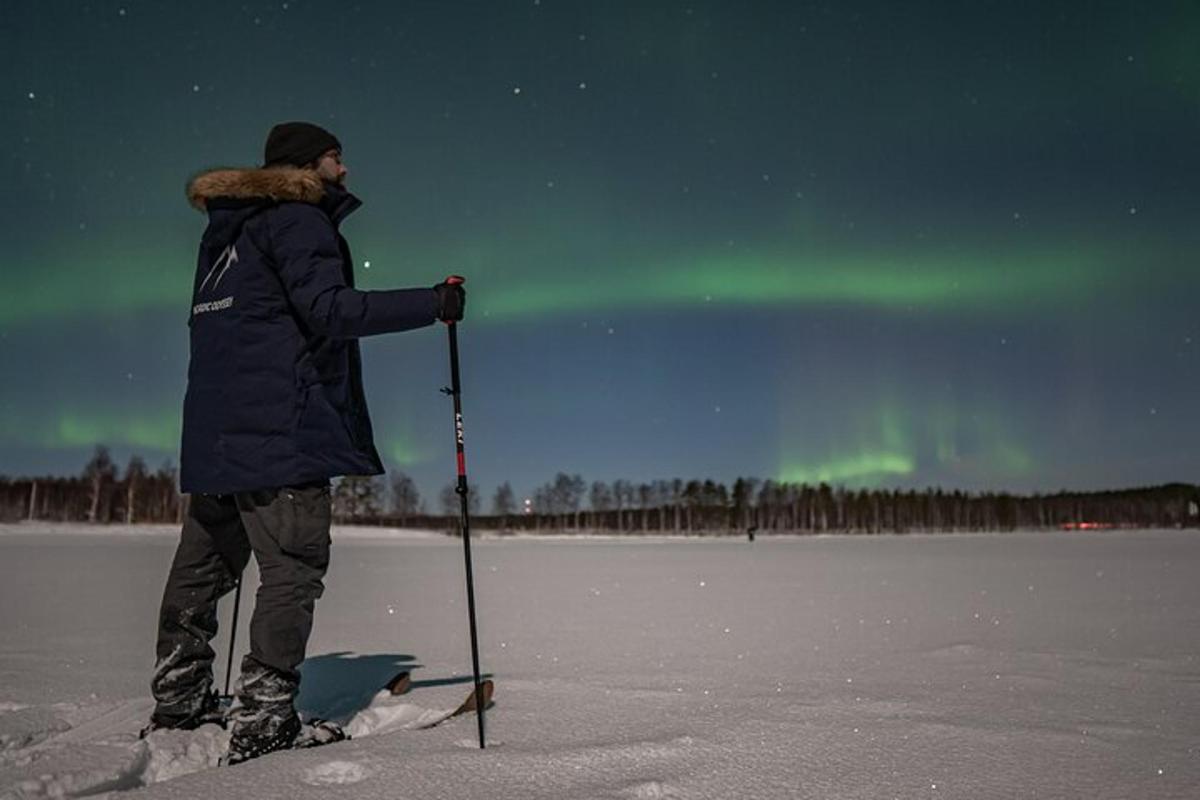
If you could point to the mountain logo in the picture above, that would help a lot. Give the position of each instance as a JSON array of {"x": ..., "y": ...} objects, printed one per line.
[{"x": 227, "y": 259}]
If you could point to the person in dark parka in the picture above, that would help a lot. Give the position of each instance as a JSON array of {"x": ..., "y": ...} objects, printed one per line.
[{"x": 274, "y": 408}]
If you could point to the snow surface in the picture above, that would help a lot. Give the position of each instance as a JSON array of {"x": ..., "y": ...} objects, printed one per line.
[{"x": 962, "y": 666}]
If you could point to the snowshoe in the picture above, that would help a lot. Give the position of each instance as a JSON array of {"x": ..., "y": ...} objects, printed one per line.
[{"x": 245, "y": 745}]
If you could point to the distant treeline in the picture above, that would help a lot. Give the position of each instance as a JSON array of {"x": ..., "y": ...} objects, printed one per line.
[
  {"x": 104, "y": 494},
  {"x": 708, "y": 507}
]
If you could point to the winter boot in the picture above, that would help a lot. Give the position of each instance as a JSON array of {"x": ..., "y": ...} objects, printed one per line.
[
  {"x": 264, "y": 717},
  {"x": 209, "y": 710},
  {"x": 246, "y": 743}
]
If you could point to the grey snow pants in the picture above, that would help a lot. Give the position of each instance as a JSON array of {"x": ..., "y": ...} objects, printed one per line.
[{"x": 287, "y": 529}]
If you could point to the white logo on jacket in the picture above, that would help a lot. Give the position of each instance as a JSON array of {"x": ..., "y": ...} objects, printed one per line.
[
  {"x": 215, "y": 305},
  {"x": 227, "y": 259}
]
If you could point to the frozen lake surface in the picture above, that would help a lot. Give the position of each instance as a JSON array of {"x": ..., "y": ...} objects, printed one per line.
[{"x": 1048, "y": 665}]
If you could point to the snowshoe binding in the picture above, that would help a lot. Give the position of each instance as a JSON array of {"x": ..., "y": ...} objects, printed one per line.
[{"x": 317, "y": 732}]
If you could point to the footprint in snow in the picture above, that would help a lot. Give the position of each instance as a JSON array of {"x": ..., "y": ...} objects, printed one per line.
[
  {"x": 335, "y": 773},
  {"x": 650, "y": 790}
]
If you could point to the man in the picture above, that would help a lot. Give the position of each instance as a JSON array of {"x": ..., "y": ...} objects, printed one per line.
[{"x": 274, "y": 408}]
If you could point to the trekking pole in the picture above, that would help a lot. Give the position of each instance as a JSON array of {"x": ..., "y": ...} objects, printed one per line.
[
  {"x": 237, "y": 599},
  {"x": 455, "y": 391}
]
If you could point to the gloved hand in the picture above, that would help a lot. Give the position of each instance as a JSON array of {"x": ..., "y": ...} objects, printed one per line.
[{"x": 452, "y": 299}]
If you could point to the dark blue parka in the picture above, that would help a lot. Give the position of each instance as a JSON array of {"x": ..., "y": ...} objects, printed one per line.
[{"x": 274, "y": 393}]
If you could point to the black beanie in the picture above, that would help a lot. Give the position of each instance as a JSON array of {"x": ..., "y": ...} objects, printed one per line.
[{"x": 298, "y": 144}]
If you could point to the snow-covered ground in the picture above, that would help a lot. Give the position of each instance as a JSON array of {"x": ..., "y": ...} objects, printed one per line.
[{"x": 972, "y": 666}]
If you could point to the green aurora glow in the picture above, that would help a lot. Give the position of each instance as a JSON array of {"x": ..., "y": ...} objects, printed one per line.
[
  {"x": 400, "y": 452},
  {"x": 67, "y": 429},
  {"x": 868, "y": 469},
  {"x": 932, "y": 281},
  {"x": 890, "y": 440},
  {"x": 935, "y": 282},
  {"x": 140, "y": 430}
]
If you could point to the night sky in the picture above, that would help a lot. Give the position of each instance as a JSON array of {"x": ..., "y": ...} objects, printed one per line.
[{"x": 876, "y": 244}]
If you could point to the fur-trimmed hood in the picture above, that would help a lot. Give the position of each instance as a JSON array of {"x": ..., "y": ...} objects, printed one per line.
[{"x": 277, "y": 184}]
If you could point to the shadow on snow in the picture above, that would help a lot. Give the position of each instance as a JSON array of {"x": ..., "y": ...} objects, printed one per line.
[{"x": 338, "y": 685}]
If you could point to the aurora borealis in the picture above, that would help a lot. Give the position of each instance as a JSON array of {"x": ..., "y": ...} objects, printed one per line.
[{"x": 870, "y": 244}]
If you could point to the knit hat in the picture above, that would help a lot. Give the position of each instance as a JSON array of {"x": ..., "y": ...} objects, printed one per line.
[{"x": 298, "y": 144}]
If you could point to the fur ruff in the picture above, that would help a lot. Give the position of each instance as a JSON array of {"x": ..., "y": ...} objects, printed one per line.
[{"x": 276, "y": 183}]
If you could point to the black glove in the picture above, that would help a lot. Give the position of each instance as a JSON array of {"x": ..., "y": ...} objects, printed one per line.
[{"x": 452, "y": 299}]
